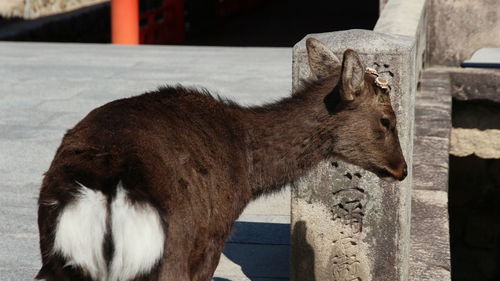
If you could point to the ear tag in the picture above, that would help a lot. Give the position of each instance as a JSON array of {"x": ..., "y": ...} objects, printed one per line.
[
  {"x": 379, "y": 81},
  {"x": 382, "y": 82},
  {"x": 370, "y": 70}
]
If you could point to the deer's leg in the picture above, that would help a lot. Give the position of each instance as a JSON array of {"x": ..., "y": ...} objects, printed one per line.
[
  {"x": 192, "y": 251},
  {"x": 204, "y": 260},
  {"x": 174, "y": 266}
]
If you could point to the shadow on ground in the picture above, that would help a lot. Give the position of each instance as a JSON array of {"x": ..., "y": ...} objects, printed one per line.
[
  {"x": 303, "y": 262},
  {"x": 261, "y": 249}
]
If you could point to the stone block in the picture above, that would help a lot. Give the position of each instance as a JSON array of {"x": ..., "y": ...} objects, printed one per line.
[
  {"x": 475, "y": 84},
  {"x": 347, "y": 224},
  {"x": 430, "y": 251},
  {"x": 431, "y": 151},
  {"x": 430, "y": 226},
  {"x": 408, "y": 18},
  {"x": 401, "y": 17},
  {"x": 430, "y": 177},
  {"x": 430, "y": 121},
  {"x": 483, "y": 144},
  {"x": 432, "y": 131},
  {"x": 458, "y": 28}
]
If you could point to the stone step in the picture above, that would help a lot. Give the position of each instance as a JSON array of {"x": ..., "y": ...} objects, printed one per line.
[{"x": 430, "y": 246}]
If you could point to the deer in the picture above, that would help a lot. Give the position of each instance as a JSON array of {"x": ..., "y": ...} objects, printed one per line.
[{"x": 147, "y": 188}]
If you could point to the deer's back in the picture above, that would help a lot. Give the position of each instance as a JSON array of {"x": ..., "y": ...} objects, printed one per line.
[
  {"x": 179, "y": 151},
  {"x": 172, "y": 145}
]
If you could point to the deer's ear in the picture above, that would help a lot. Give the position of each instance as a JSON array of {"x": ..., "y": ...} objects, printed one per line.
[
  {"x": 353, "y": 73},
  {"x": 322, "y": 61}
]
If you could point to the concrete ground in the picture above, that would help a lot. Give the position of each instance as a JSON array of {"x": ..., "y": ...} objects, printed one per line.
[{"x": 46, "y": 88}]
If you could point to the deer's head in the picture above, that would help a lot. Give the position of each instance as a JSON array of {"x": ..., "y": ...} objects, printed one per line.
[{"x": 360, "y": 110}]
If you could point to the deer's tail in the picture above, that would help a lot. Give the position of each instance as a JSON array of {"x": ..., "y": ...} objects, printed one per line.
[{"x": 99, "y": 237}]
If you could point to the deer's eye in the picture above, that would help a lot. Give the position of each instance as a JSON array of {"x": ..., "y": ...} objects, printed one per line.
[{"x": 385, "y": 122}]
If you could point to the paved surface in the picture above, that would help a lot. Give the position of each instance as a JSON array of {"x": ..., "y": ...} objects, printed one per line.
[{"x": 46, "y": 88}]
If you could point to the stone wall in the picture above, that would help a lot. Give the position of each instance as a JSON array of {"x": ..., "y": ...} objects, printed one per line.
[
  {"x": 476, "y": 109},
  {"x": 347, "y": 224},
  {"x": 430, "y": 245},
  {"x": 457, "y": 28}
]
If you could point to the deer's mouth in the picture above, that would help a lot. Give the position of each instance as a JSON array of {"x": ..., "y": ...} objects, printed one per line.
[{"x": 386, "y": 174}]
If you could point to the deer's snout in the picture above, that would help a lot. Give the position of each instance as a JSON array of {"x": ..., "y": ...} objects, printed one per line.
[
  {"x": 400, "y": 172},
  {"x": 404, "y": 172}
]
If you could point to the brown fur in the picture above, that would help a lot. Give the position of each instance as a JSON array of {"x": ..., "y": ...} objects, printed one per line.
[{"x": 200, "y": 160}]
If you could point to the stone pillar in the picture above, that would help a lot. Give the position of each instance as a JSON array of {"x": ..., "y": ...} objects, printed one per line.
[{"x": 347, "y": 224}]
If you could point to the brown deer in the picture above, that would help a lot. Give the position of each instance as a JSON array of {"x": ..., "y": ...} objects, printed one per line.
[{"x": 148, "y": 187}]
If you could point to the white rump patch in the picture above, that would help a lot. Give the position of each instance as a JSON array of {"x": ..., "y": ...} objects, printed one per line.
[
  {"x": 138, "y": 237},
  {"x": 80, "y": 232}
]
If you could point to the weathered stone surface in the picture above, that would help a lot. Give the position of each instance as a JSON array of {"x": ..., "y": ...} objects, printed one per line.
[
  {"x": 327, "y": 242},
  {"x": 432, "y": 131},
  {"x": 430, "y": 227},
  {"x": 458, "y": 28},
  {"x": 39, "y": 8},
  {"x": 12, "y": 8},
  {"x": 430, "y": 163},
  {"x": 436, "y": 179},
  {"x": 402, "y": 17},
  {"x": 407, "y": 18},
  {"x": 484, "y": 144},
  {"x": 347, "y": 224},
  {"x": 429, "y": 121},
  {"x": 465, "y": 84},
  {"x": 475, "y": 84},
  {"x": 430, "y": 254},
  {"x": 433, "y": 106}
]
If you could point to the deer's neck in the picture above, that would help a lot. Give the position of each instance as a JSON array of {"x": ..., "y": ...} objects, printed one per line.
[{"x": 288, "y": 138}]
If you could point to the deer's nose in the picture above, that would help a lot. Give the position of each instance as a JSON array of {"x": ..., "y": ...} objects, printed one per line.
[
  {"x": 403, "y": 172},
  {"x": 400, "y": 172}
]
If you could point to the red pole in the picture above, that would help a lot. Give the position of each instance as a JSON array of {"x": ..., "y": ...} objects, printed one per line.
[{"x": 125, "y": 22}]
